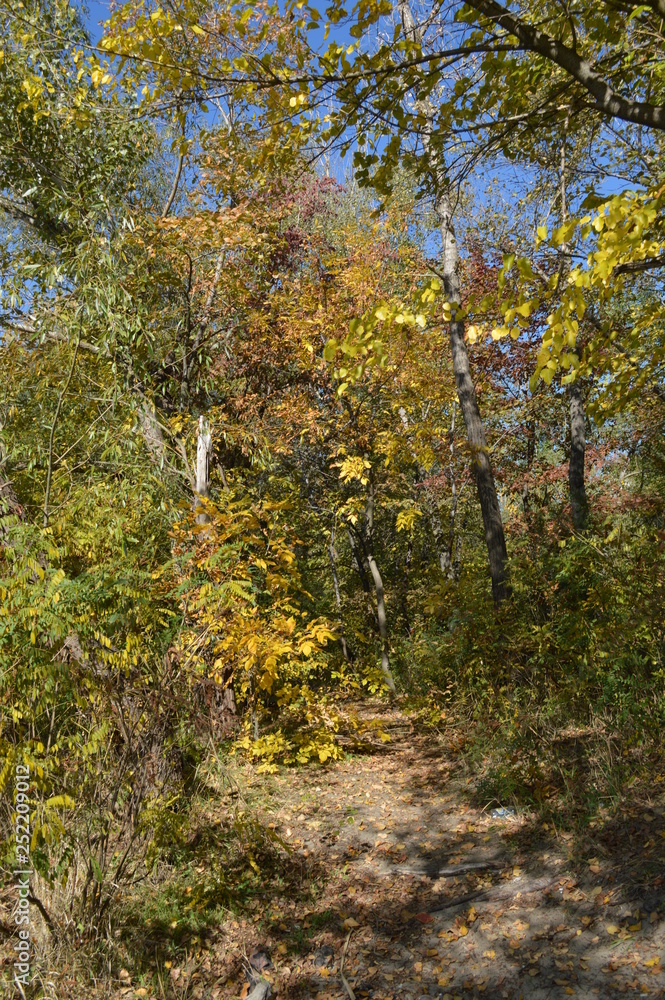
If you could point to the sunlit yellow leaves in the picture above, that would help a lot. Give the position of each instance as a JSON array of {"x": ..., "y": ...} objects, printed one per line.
[
  {"x": 354, "y": 468},
  {"x": 406, "y": 519},
  {"x": 627, "y": 231}
]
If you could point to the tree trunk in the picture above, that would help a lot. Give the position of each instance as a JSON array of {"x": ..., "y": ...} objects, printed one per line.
[
  {"x": 578, "y": 498},
  {"x": 382, "y": 618},
  {"x": 383, "y": 621},
  {"x": 338, "y": 598},
  {"x": 203, "y": 453},
  {"x": 481, "y": 467},
  {"x": 364, "y": 579},
  {"x": 480, "y": 462}
]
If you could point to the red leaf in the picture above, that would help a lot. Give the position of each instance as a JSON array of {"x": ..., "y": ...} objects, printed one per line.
[{"x": 424, "y": 918}]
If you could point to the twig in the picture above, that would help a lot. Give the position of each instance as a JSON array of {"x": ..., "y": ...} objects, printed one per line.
[
  {"x": 159, "y": 977},
  {"x": 447, "y": 872},
  {"x": 345, "y": 982},
  {"x": 499, "y": 892}
]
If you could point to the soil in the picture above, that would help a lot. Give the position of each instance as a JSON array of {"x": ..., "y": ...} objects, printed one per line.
[{"x": 409, "y": 890}]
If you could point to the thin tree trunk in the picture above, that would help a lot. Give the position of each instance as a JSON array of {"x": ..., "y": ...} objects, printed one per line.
[
  {"x": 480, "y": 463},
  {"x": 174, "y": 186},
  {"x": 379, "y": 591},
  {"x": 578, "y": 497},
  {"x": 364, "y": 580},
  {"x": 338, "y": 598},
  {"x": 203, "y": 452}
]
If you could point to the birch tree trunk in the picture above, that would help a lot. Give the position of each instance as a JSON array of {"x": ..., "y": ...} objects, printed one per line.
[
  {"x": 480, "y": 463},
  {"x": 203, "y": 453}
]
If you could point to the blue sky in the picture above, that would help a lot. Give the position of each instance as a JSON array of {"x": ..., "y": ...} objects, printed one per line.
[{"x": 98, "y": 11}]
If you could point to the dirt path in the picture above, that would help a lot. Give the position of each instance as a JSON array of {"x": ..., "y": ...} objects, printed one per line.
[{"x": 440, "y": 898}]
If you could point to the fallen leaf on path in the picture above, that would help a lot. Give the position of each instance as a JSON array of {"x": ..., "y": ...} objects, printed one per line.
[{"x": 424, "y": 918}]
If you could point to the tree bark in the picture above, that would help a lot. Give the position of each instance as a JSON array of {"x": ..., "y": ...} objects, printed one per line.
[
  {"x": 578, "y": 498},
  {"x": 379, "y": 591},
  {"x": 364, "y": 579},
  {"x": 338, "y": 598},
  {"x": 203, "y": 453},
  {"x": 383, "y": 620},
  {"x": 480, "y": 463}
]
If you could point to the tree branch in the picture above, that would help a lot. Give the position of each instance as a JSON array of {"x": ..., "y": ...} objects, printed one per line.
[
  {"x": 174, "y": 188},
  {"x": 637, "y": 266},
  {"x": 607, "y": 100}
]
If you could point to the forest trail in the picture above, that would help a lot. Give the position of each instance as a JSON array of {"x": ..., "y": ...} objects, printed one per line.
[{"x": 433, "y": 896}]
